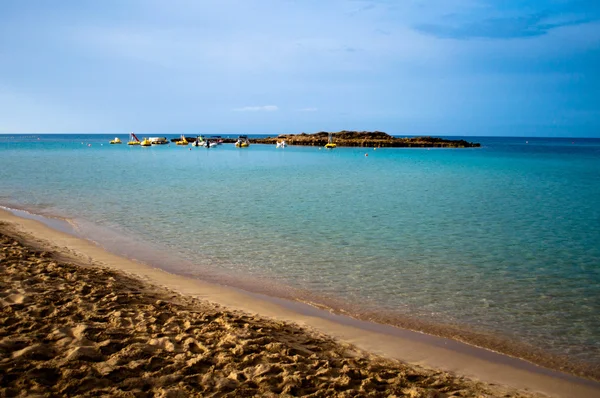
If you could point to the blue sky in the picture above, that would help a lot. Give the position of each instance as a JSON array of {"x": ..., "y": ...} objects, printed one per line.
[{"x": 440, "y": 67}]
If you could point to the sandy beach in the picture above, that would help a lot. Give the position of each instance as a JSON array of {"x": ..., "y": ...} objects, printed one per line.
[{"x": 79, "y": 320}]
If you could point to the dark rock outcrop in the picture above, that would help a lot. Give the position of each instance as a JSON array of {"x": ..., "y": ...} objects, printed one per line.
[
  {"x": 354, "y": 138},
  {"x": 366, "y": 139}
]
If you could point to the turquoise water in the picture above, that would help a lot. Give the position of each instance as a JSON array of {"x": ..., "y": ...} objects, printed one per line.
[{"x": 500, "y": 239}]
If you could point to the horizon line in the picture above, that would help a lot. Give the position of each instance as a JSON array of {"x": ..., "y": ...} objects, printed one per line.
[{"x": 238, "y": 133}]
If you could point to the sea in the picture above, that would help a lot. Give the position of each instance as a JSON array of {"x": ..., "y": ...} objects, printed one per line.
[{"x": 501, "y": 241}]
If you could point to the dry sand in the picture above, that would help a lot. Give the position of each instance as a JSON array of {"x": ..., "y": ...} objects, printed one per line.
[{"x": 71, "y": 325}]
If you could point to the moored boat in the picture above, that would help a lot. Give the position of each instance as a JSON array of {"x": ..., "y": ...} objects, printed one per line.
[
  {"x": 182, "y": 141},
  {"x": 242, "y": 141},
  {"x": 209, "y": 143},
  {"x": 281, "y": 144},
  {"x": 217, "y": 138},
  {"x": 158, "y": 140},
  {"x": 117, "y": 140},
  {"x": 146, "y": 142},
  {"x": 330, "y": 144},
  {"x": 199, "y": 141}
]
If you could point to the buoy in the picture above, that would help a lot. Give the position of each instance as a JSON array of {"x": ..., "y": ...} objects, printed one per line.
[{"x": 89, "y": 144}]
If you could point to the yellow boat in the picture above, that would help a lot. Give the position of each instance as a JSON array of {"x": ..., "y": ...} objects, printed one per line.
[
  {"x": 145, "y": 142},
  {"x": 242, "y": 141},
  {"x": 183, "y": 141},
  {"x": 133, "y": 140},
  {"x": 330, "y": 144},
  {"x": 117, "y": 140}
]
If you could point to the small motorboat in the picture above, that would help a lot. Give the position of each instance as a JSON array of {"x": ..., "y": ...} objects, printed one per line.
[
  {"x": 146, "y": 142},
  {"x": 217, "y": 138},
  {"x": 199, "y": 141},
  {"x": 117, "y": 140},
  {"x": 159, "y": 140},
  {"x": 242, "y": 142},
  {"x": 133, "y": 140},
  {"x": 210, "y": 144},
  {"x": 281, "y": 144}
]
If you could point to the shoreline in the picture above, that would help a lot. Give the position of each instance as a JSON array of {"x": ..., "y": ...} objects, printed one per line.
[
  {"x": 410, "y": 347},
  {"x": 325, "y": 307},
  {"x": 80, "y": 329}
]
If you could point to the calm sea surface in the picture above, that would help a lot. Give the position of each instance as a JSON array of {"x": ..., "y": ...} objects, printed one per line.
[{"x": 500, "y": 239}]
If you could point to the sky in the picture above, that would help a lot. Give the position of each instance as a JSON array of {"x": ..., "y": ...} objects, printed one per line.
[{"x": 406, "y": 67}]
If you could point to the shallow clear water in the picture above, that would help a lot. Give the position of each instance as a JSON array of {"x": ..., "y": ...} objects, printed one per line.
[{"x": 503, "y": 238}]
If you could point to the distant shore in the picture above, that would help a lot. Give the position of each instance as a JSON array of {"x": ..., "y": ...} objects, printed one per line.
[
  {"x": 111, "y": 322},
  {"x": 345, "y": 138}
]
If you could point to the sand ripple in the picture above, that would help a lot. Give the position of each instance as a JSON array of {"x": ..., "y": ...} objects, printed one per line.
[{"x": 70, "y": 330}]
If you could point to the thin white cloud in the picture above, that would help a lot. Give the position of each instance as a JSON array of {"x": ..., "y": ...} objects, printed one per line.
[
  {"x": 265, "y": 108},
  {"x": 312, "y": 109}
]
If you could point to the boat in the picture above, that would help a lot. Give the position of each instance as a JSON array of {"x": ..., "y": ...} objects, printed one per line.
[
  {"x": 182, "y": 141},
  {"x": 133, "y": 140},
  {"x": 330, "y": 144},
  {"x": 209, "y": 143},
  {"x": 146, "y": 142},
  {"x": 117, "y": 140},
  {"x": 281, "y": 144},
  {"x": 158, "y": 140},
  {"x": 242, "y": 141},
  {"x": 217, "y": 138},
  {"x": 199, "y": 141}
]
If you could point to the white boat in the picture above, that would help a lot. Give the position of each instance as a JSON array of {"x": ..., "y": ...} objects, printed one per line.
[
  {"x": 281, "y": 144},
  {"x": 210, "y": 144},
  {"x": 216, "y": 138},
  {"x": 199, "y": 141},
  {"x": 158, "y": 140}
]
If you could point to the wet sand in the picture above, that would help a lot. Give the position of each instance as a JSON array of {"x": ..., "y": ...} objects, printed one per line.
[{"x": 76, "y": 319}]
